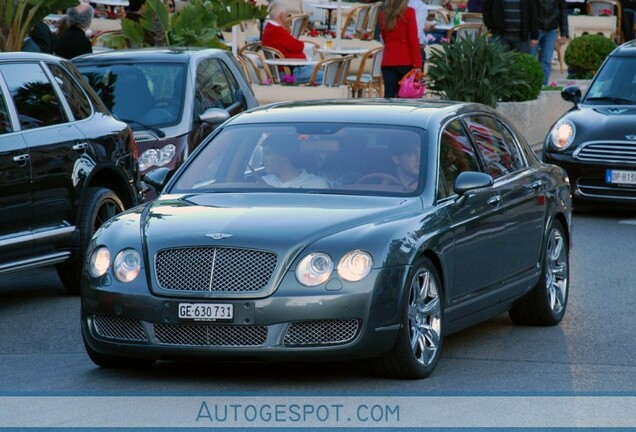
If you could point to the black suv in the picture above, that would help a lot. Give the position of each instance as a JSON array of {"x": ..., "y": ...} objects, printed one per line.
[{"x": 66, "y": 165}]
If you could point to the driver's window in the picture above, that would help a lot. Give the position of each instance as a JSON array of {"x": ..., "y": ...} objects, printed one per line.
[
  {"x": 456, "y": 154},
  {"x": 211, "y": 88}
]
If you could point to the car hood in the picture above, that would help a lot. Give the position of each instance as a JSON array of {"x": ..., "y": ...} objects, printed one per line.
[
  {"x": 282, "y": 223},
  {"x": 604, "y": 122}
]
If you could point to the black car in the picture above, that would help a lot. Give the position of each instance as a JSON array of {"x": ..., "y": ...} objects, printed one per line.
[
  {"x": 596, "y": 140},
  {"x": 338, "y": 229},
  {"x": 165, "y": 95},
  {"x": 66, "y": 165}
]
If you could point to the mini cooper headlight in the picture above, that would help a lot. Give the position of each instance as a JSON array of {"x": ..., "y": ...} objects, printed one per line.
[
  {"x": 157, "y": 157},
  {"x": 127, "y": 265},
  {"x": 314, "y": 269},
  {"x": 562, "y": 134},
  {"x": 99, "y": 261},
  {"x": 355, "y": 265}
]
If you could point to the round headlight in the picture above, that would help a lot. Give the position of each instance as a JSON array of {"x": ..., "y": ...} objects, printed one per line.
[
  {"x": 355, "y": 265},
  {"x": 314, "y": 269},
  {"x": 157, "y": 157},
  {"x": 127, "y": 265},
  {"x": 562, "y": 134},
  {"x": 99, "y": 261}
]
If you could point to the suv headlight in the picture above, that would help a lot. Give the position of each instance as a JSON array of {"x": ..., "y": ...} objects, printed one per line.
[
  {"x": 314, "y": 269},
  {"x": 562, "y": 134},
  {"x": 157, "y": 157}
]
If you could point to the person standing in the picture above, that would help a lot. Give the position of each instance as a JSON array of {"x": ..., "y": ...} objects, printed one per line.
[
  {"x": 553, "y": 24},
  {"x": 73, "y": 41},
  {"x": 423, "y": 25},
  {"x": 43, "y": 37},
  {"x": 398, "y": 29},
  {"x": 513, "y": 22}
]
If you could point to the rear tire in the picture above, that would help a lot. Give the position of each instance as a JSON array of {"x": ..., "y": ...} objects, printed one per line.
[
  {"x": 419, "y": 342},
  {"x": 99, "y": 205},
  {"x": 545, "y": 305}
]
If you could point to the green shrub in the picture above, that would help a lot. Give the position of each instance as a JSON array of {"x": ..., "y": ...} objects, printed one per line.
[
  {"x": 585, "y": 54},
  {"x": 474, "y": 70},
  {"x": 529, "y": 68}
]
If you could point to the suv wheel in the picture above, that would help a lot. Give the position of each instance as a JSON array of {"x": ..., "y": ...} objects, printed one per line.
[{"x": 100, "y": 205}]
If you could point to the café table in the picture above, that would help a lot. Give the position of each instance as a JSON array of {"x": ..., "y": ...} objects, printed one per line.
[
  {"x": 343, "y": 51},
  {"x": 290, "y": 62},
  {"x": 329, "y": 7}
]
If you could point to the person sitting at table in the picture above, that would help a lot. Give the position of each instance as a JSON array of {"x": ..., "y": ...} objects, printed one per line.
[
  {"x": 73, "y": 41},
  {"x": 275, "y": 35}
]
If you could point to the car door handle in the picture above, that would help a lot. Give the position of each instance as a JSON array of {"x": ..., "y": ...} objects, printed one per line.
[
  {"x": 80, "y": 146},
  {"x": 494, "y": 200},
  {"x": 536, "y": 185},
  {"x": 21, "y": 159}
]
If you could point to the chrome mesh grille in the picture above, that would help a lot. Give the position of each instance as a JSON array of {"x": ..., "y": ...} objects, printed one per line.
[
  {"x": 617, "y": 152},
  {"x": 321, "y": 332},
  {"x": 214, "y": 269},
  {"x": 120, "y": 328},
  {"x": 207, "y": 335}
]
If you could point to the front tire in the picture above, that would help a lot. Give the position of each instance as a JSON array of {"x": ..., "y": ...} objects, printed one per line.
[
  {"x": 419, "y": 343},
  {"x": 545, "y": 305},
  {"x": 99, "y": 205}
]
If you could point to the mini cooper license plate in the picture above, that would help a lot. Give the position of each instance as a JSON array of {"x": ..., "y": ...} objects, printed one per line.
[
  {"x": 205, "y": 311},
  {"x": 620, "y": 177}
]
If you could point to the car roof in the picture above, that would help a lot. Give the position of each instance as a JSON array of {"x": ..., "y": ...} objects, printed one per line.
[
  {"x": 23, "y": 55},
  {"x": 172, "y": 55},
  {"x": 404, "y": 112},
  {"x": 628, "y": 49}
]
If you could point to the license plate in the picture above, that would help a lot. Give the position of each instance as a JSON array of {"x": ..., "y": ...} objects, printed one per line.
[
  {"x": 205, "y": 311},
  {"x": 620, "y": 177}
]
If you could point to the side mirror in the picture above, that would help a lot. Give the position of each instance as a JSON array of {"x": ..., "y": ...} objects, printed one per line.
[
  {"x": 470, "y": 180},
  {"x": 214, "y": 116},
  {"x": 157, "y": 178},
  {"x": 572, "y": 94}
]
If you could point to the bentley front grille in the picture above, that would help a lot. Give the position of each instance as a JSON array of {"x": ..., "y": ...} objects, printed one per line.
[
  {"x": 120, "y": 328},
  {"x": 214, "y": 269},
  {"x": 321, "y": 332},
  {"x": 610, "y": 152},
  {"x": 210, "y": 335}
]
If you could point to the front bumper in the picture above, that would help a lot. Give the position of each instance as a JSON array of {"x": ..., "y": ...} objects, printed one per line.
[
  {"x": 587, "y": 179},
  {"x": 358, "y": 321}
]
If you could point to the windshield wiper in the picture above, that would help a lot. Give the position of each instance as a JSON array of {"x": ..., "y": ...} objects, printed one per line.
[
  {"x": 158, "y": 131},
  {"x": 613, "y": 99}
]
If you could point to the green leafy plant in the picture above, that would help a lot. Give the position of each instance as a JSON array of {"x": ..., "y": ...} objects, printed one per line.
[
  {"x": 17, "y": 17},
  {"x": 473, "y": 69},
  {"x": 197, "y": 24},
  {"x": 528, "y": 68},
  {"x": 585, "y": 54}
]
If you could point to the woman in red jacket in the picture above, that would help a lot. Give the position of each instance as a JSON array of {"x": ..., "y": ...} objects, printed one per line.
[{"x": 398, "y": 28}]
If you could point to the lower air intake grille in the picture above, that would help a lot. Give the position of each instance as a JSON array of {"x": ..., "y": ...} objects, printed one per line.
[
  {"x": 321, "y": 332},
  {"x": 207, "y": 335},
  {"x": 112, "y": 327}
]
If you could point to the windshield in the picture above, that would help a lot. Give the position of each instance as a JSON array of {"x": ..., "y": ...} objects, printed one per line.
[
  {"x": 615, "y": 83},
  {"x": 326, "y": 158},
  {"x": 145, "y": 94}
]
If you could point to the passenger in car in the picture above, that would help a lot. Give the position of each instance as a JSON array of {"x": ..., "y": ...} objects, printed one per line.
[
  {"x": 282, "y": 161},
  {"x": 406, "y": 158}
]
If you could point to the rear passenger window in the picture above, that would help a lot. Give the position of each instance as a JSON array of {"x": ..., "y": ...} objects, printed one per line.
[
  {"x": 5, "y": 124},
  {"x": 33, "y": 95},
  {"x": 73, "y": 94},
  {"x": 492, "y": 146}
]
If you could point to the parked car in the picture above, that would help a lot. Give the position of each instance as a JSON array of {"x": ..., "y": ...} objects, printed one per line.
[
  {"x": 333, "y": 230},
  {"x": 66, "y": 165},
  {"x": 595, "y": 142},
  {"x": 165, "y": 94}
]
